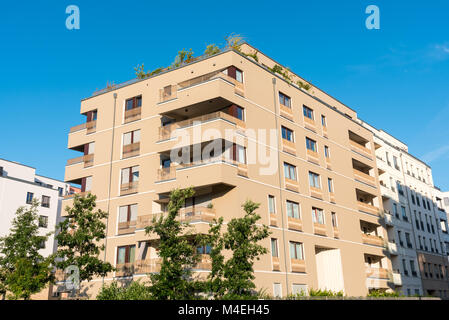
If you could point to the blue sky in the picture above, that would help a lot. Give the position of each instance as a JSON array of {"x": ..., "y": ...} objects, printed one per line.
[{"x": 396, "y": 78}]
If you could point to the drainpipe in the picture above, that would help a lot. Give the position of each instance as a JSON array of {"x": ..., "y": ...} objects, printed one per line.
[
  {"x": 110, "y": 178},
  {"x": 276, "y": 108}
]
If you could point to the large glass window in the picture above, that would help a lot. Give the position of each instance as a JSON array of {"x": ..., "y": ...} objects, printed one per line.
[
  {"x": 314, "y": 180},
  {"x": 126, "y": 254},
  {"x": 296, "y": 251},
  {"x": 284, "y": 100},
  {"x": 274, "y": 248},
  {"x": 308, "y": 113},
  {"x": 293, "y": 209},
  {"x": 287, "y": 134},
  {"x": 134, "y": 102},
  {"x": 289, "y": 171},
  {"x": 311, "y": 144},
  {"x": 128, "y": 213},
  {"x": 318, "y": 215}
]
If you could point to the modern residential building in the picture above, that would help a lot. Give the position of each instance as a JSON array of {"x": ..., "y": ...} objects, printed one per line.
[
  {"x": 19, "y": 185},
  {"x": 301, "y": 154},
  {"x": 401, "y": 246}
]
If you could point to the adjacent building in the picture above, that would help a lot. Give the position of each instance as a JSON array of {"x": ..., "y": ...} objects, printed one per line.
[{"x": 19, "y": 185}]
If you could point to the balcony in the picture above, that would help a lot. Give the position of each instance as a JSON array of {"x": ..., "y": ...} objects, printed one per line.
[
  {"x": 368, "y": 208},
  {"x": 397, "y": 278},
  {"x": 379, "y": 273},
  {"x": 276, "y": 264},
  {"x": 165, "y": 132},
  {"x": 171, "y": 92},
  {"x": 125, "y": 269},
  {"x": 372, "y": 240},
  {"x": 360, "y": 149},
  {"x": 294, "y": 224},
  {"x": 365, "y": 178},
  {"x": 91, "y": 126},
  {"x": 147, "y": 266},
  {"x": 87, "y": 159},
  {"x": 129, "y": 188},
  {"x": 288, "y": 146},
  {"x": 392, "y": 248},
  {"x": 298, "y": 265},
  {"x": 133, "y": 114},
  {"x": 126, "y": 227},
  {"x": 319, "y": 229},
  {"x": 131, "y": 150},
  {"x": 197, "y": 214},
  {"x": 286, "y": 112}
]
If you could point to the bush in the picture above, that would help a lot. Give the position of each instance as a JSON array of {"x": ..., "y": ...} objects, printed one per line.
[
  {"x": 383, "y": 294},
  {"x": 134, "y": 291}
]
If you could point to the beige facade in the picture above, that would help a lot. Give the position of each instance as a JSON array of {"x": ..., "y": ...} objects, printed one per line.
[{"x": 325, "y": 233}]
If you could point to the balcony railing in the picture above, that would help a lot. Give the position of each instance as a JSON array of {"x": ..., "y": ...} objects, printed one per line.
[
  {"x": 133, "y": 114},
  {"x": 128, "y": 188},
  {"x": 380, "y": 273},
  {"x": 193, "y": 214},
  {"x": 148, "y": 265},
  {"x": 360, "y": 149},
  {"x": 168, "y": 93},
  {"x": 88, "y": 160},
  {"x": 372, "y": 240},
  {"x": 91, "y": 126},
  {"x": 319, "y": 229},
  {"x": 298, "y": 265},
  {"x": 286, "y": 112},
  {"x": 78, "y": 128},
  {"x": 276, "y": 264},
  {"x": 166, "y": 131},
  {"x": 289, "y": 146},
  {"x": 131, "y": 150},
  {"x": 366, "y": 178},
  {"x": 294, "y": 224},
  {"x": 366, "y": 207}
]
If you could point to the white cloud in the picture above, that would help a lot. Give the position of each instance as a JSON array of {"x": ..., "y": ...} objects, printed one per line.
[{"x": 436, "y": 154}]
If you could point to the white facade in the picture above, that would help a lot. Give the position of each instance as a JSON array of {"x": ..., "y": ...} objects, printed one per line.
[
  {"x": 16, "y": 182},
  {"x": 442, "y": 202}
]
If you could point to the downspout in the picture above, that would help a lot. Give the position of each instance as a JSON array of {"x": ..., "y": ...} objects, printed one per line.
[
  {"x": 110, "y": 179},
  {"x": 280, "y": 181}
]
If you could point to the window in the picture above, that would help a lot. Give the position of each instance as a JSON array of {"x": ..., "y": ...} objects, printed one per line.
[
  {"x": 130, "y": 175},
  {"x": 443, "y": 226},
  {"x": 404, "y": 266},
  {"x": 299, "y": 289},
  {"x": 128, "y": 213},
  {"x": 404, "y": 213},
  {"x": 277, "y": 290},
  {"x": 334, "y": 219},
  {"x": 400, "y": 239},
  {"x": 131, "y": 137},
  {"x": 284, "y": 100},
  {"x": 42, "y": 244},
  {"x": 395, "y": 210},
  {"x": 308, "y": 113},
  {"x": 126, "y": 254},
  {"x": 330, "y": 185},
  {"x": 43, "y": 221},
  {"x": 60, "y": 191},
  {"x": 314, "y": 180},
  {"x": 274, "y": 248},
  {"x": 311, "y": 144},
  {"x": 287, "y": 134},
  {"x": 407, "y": 239},
  {"x": 271, "y": 204},
  {"x": 293, "y": 209},
  {"x": 326, "y": 152},
  {"x": 235, "y": 111},
  {"x": 203, "y": 249},
  {"x": 29, "y": 197},
  {"x": 296, "y": 250},
  {"x": 133, "y": 103},
  {"x": 45, "y": 202},
  {"x": 86, "y": 184},
  {"x": 323, "y": 121},
  {"x": 318, "y": 215},
  {"x": 395, "y": 162},
  {"x": 239, "y": 75},
  {"x": 239, "y": 153},
  {"x": 413, "y": 198},
  {"x": 289, "y": 171}
]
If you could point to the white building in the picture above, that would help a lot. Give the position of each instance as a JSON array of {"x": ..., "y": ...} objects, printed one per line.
[{"x": 19, "y": 184}]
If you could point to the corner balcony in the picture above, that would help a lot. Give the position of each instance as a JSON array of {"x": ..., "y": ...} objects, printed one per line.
[
  {"x": 198, "y": 90},
  {"x": 365, "y": 178},
  {"x": 219, "y": 170},
  {"x": 138, "y": 267},
  {"x": 89, "y": 126},
  {"x": 87, "y": 160},
  {"x": 378, "y": 273},
  {"x": 372, "y": 240},
  {"x": 368, "y": 208}
]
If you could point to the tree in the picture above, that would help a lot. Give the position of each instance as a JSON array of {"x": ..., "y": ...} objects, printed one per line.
[
  {"x": 136, "y": 290},
  {"x": 23, "y": 270},
  {"x": 79, "y": 237},
  {"x": 235, "y": 280},
  {"x": 177, "y": 251}
]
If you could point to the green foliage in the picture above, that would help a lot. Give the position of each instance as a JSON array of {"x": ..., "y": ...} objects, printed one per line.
[
  {"x": 156, "y": 71},
  {"x": 136, "y": 290},
  {"x": 252, "y": 55},
  {"x": 305, "y": 86},
  {"x": 183, "y": 57},
  {"x": 177, "y": 251},
  {"x": 234, "y": 41},
  {"x": 381, "y": 294},
  {"x": 211, "y": 49},
  {"x": 325, "y": 293},
  {"x": 140, "y": 73},
  {"x": 233, "y": 278},
  {"x": 79, "y": 237},
  {"x": 23, "y": 270}
]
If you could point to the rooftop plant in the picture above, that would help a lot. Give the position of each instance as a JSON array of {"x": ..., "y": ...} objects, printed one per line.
[
  {"x": 234, "y": 41},
  {"x": 211, "y": 49}
]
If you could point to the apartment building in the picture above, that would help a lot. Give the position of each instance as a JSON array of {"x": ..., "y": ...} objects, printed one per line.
[
  {"x": 19, "y": 185},
  {"x": 234, "y": 130},
  {"x": 397, "y": 220}
]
